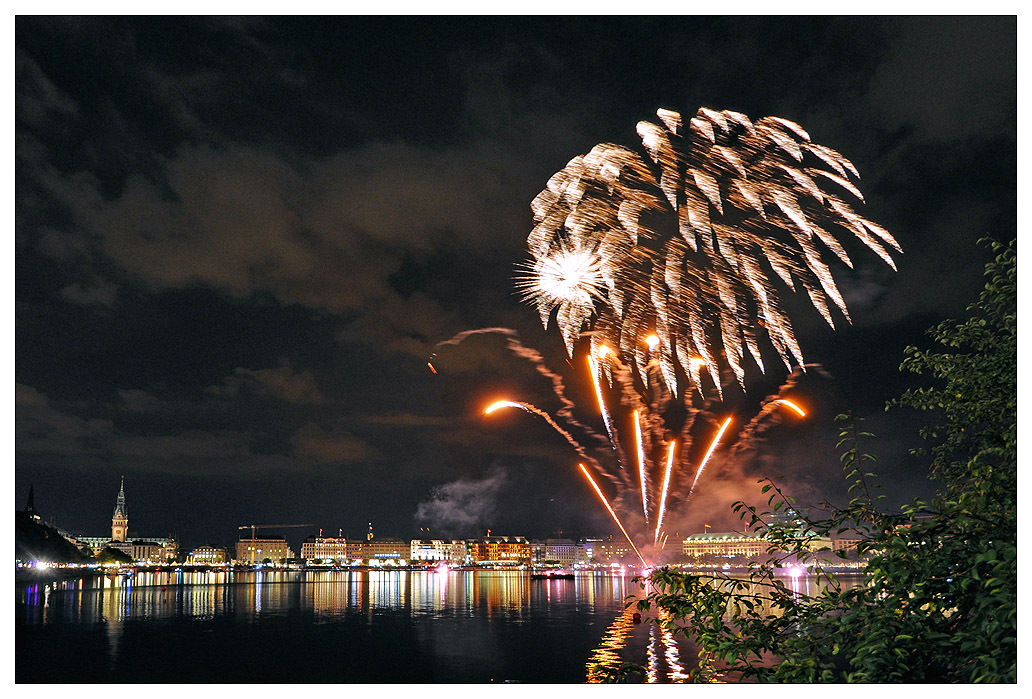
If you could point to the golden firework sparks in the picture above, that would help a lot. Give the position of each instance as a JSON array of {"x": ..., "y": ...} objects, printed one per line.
[
  {"x": 709, "y": 453},
  {"x": 666, "y": 486},
  {"x": 752, "y": 199}
]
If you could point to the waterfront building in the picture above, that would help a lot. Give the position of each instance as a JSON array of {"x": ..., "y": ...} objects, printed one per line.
[
  {"x": 386, "y": 549},
  {"x": 732, "y": 544},
  {"x": 146, "y": 552},
  {"x": 329, "y": 549},
  {"x": 562, "y": 552},
  {"x": 500, "y": 551},
  {"x": 845, "y": 545},
  {"x": 257, "y": 550},
  {"x": 723, "y": 544},
  {"x": 611, "y": 551},
  {"x": 428, "y": 550},
  {"x": 207, "y": 555},
  {"x": 440, "y": 550},
  {"x": 590, "y": 545}
]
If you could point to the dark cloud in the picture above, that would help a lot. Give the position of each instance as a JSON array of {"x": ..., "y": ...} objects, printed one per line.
[
  {"x": 101, "y": 293},
  {"x": 43, "y": 428},
  {"x": 282, "y": 383},
  {"x": 335, "y": 446},
  {"x": 930, "y": 84},
  {"x": 136, "y": 400}
]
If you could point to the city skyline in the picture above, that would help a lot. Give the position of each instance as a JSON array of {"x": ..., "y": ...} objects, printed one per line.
[
  {"x": 262, "y": 541},
  {"x": 238, "y": 242},
  {"x": 223, "y": 539}
]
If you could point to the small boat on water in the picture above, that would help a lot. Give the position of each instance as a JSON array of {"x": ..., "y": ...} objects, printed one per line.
[{"x": 551, "y": 576}]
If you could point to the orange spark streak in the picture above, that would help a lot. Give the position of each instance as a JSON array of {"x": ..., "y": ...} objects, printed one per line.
[
  {"x": 641, "y": 465},
  {"x": 601, "y": 402},
  {"x": 666, "y": 484},
  {"x": 712, "y": 447},
  {"x": 611, "y": 512},
  {"x": 505, "y": 404},
  {"x": 431, "y": 367},
  {"x": 793, "y": 406},
  {"x": 534, "y": 410}
]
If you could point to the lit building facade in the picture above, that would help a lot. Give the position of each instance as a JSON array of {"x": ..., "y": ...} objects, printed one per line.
[
  {"x": 609, "y": 551},
  {"x": 723, "y": 544},
  {"x": 590, "y": 546},
  {"x": 500, "y": 551},
  {"x": 384, "y": 549},
  {"x": 274, "y": 548},
  {"x": 146, "y": 551},
  {"x": 846, "y": 545},
  {"x": 330, "y": 549},
  {"x": 560, "y": 552},
  {"x": 439, "y": 550},
  {"x": 734, "y": 544},
  {"x": 207, "y": 555}
]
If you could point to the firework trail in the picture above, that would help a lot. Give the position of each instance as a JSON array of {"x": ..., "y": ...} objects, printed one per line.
[
  {"x": 641, "y": 466},
  {"x": 601, "y": 401},
  {"x": 709, "y": 453},
  {"x": 514, "y": 345},
  {"x": 527, "y": 407},
  {"x": 666, "y": 486},
  {"x": 612, "y": 512},
  {"x": 751, "y": 435}
]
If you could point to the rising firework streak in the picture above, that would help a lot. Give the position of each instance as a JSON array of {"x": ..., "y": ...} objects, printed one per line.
[
  {"x": 709, "y": 453},
  {"x": 641, "y": 465},
  {"x": 601, "y": 401},
  {"x": 666, "y": 485},
  {"x": 611, "y": 512}
]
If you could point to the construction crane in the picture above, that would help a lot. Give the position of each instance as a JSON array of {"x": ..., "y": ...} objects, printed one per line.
[{"x": 255, "y": 527}]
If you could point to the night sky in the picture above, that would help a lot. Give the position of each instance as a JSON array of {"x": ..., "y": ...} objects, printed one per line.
[{"x": 239, "y": 240}]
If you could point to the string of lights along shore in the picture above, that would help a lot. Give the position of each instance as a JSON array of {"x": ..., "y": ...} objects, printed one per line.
[{"x": 661, "y": 272}]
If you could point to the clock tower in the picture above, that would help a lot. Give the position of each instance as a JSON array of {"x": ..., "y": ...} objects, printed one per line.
[{"x": 120, "y": 520}]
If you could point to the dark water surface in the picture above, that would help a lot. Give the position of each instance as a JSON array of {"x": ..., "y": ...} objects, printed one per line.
[{"x": 335, "y": 626}]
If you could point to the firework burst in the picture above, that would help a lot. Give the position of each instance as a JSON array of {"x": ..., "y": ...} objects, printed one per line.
[
  {"x": 685, "y": 245},
  {"x": 675, "y": 262}
]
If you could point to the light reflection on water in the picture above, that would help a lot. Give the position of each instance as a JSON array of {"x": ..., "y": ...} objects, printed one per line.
[
  {"x": 455, "y": 619},
  {"x": 608, "y": 653},
  {"x": 465, "y": 626}
]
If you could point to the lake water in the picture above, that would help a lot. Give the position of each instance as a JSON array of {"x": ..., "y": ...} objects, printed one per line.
[{"x": 336, "y": 627}]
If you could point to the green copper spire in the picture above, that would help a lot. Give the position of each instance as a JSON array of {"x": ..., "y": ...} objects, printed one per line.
[{"x": 120, "y": 503}]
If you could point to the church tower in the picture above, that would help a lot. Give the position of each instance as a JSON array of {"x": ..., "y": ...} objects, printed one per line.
[
  {"x": 30, "y": 506},
  {"x": 120, "y": 520}
]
